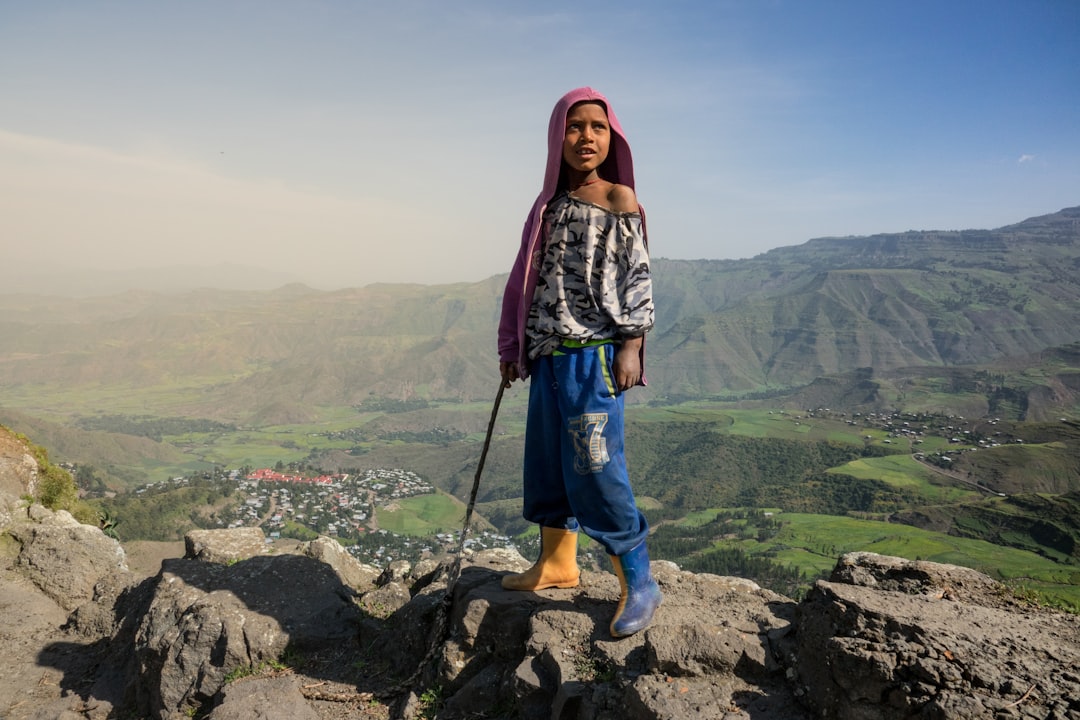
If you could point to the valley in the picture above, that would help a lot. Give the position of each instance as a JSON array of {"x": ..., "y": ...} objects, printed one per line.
[
  {"x": 915, "y": 393},
  {"x": 911, "y": 485}
]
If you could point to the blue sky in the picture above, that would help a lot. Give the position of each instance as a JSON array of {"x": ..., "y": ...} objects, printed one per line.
[{"x": 341, "y": 143}]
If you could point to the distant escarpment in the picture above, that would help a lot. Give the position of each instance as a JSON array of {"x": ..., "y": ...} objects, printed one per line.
[
  {"x": 888, "y": 306},
  {"x": 886, "y": 302}
]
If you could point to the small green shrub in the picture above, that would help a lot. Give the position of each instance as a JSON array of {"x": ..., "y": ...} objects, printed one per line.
[{"x": 56, "y": 488}]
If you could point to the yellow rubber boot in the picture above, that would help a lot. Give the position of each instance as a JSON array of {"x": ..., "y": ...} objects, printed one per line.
[{"x": 557, "y": 566}]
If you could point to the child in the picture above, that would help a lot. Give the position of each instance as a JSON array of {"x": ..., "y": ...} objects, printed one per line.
[{"x": 575, "y": 312}]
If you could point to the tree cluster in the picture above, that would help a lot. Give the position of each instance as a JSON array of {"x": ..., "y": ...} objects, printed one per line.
[{"x": 149, "y": 426}]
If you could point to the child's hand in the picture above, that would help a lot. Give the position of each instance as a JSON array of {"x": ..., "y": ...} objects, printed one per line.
[
  {"x": 509, "y": 372},
  {"x": 628, "y": 364}
]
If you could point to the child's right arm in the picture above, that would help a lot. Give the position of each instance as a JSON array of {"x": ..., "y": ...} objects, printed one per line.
[
  {"x": 509, "y": 372},
  {"x": 510, "y": 332}
]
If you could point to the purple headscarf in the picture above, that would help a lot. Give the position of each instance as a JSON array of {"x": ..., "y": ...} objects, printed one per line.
[{"x": 617, "y": 168}]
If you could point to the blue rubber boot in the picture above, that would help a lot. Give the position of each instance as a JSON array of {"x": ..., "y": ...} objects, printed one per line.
[{"x": 640, "y": 594}]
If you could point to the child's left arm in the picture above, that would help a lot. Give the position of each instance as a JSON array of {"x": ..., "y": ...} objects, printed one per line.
[
  {"x": 635, "y": 284},
  {"x": 635, "y": 291}
]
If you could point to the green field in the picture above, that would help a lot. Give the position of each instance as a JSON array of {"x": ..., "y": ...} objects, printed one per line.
[
  {"x": 925, "y": 400},
  {"x": 905, "y": 473},
  {"x": 758, "y": 423},
  {"x": 264, "y": 446},
  {"x": 813, "y": 543},
  {"x": 60, "y": 402},
  {"x": 423, "y": 515}
]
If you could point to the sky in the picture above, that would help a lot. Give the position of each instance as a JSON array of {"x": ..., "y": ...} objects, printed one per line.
[{"x": 344, "y": 142}]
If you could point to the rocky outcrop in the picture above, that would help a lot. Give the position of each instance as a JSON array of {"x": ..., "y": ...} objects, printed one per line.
[
  {"x": 63, "y": 557},
  {"x": 314, "y": 634},
  {"x": 18, "y": 470},
  {"x": 919, "y": 639},
  {"x": 239, "y": 629},
  {"x": 224, "y": 546},
  {"x": 710, "y": 652},
  {"x": 206, "y": 621}
]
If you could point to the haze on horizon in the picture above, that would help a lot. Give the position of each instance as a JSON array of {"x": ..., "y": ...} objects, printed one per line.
[{"x": 342, "y": 143}]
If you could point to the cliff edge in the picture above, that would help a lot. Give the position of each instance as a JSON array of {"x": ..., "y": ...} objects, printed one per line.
[{"x": 239, "y": 629}]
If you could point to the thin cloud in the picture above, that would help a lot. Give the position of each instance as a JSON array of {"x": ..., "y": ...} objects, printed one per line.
[{"x": 93, "y": 207}]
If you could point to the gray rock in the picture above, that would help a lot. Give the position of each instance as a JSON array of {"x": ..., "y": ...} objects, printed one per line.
[
  {"x": 384, "y": 601},
  {"x": 396, "y": 572},
  {"x": 951, "y": 582},
  {"x": 549, "y": 653},
  {"x": 98, "y": 617},
  {"x": 263, "y": 699},
  {"x": 207, "y": 620},
  {"x": 884, "y": 638},
  {"x": 224, "y": 546},
  {"x": 864, "y": 652},
  {"x": 63, "y": 557},
  {"x": 351, "y": 571},
  {"x": 18, "y": 468}
]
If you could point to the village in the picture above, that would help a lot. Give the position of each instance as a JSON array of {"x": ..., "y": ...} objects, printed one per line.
[{"x": 343, "y": 506}]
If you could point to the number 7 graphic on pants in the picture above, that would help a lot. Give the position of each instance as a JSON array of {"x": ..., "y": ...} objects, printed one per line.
[{"x": 590, "y": 446}]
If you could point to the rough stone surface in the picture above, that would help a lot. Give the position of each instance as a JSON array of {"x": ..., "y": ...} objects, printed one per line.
[
  {"x": 352, "y": 572},
  {"x": 207, "y": 620},
  {"x": 908, "y": 640},
  {"x": 951, "y": 582},
  {"x": 264, "y": 699},
  {"x": 18, "y": 468},
  {"x": 549, "y": 653},
  {"x": 224, "y": 546},
  {"x": 30, "y": 621},
  {"x": 948, "y": 644},
  {"x": 63, "y": 557}
]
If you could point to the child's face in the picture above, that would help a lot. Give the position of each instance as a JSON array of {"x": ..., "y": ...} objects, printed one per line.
[{"x": 587, "y": 138}]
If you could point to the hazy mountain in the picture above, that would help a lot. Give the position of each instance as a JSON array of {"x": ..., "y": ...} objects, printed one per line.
[
  {"x": 862, "y": 310},
  {"x": 70, "y": 282}
]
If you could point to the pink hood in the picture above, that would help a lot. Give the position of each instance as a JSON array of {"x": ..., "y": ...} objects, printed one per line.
[{"x": 617, "y": 168}]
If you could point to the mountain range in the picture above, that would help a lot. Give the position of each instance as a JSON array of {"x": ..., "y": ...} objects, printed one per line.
[{"x": 852, "y": 320}]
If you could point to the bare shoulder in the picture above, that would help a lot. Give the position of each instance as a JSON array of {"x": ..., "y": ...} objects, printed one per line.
[{"x": 622, "y": 198}]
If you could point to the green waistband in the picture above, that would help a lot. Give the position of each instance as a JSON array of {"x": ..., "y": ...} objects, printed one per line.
[{"x": 577, "y": 345}]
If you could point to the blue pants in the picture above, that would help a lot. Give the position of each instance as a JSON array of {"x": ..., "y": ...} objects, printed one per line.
[{"x": 575, "y": 469}]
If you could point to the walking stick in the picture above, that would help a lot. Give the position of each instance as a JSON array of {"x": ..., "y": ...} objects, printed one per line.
[
  {"x": 441, "y": 625},
  {"x": 476, "y": 478}
]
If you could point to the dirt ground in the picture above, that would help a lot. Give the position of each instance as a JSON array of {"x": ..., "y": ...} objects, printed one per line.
[
  {"x": 144, "y": 557},
  {"x": 30, "y": 630}
]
